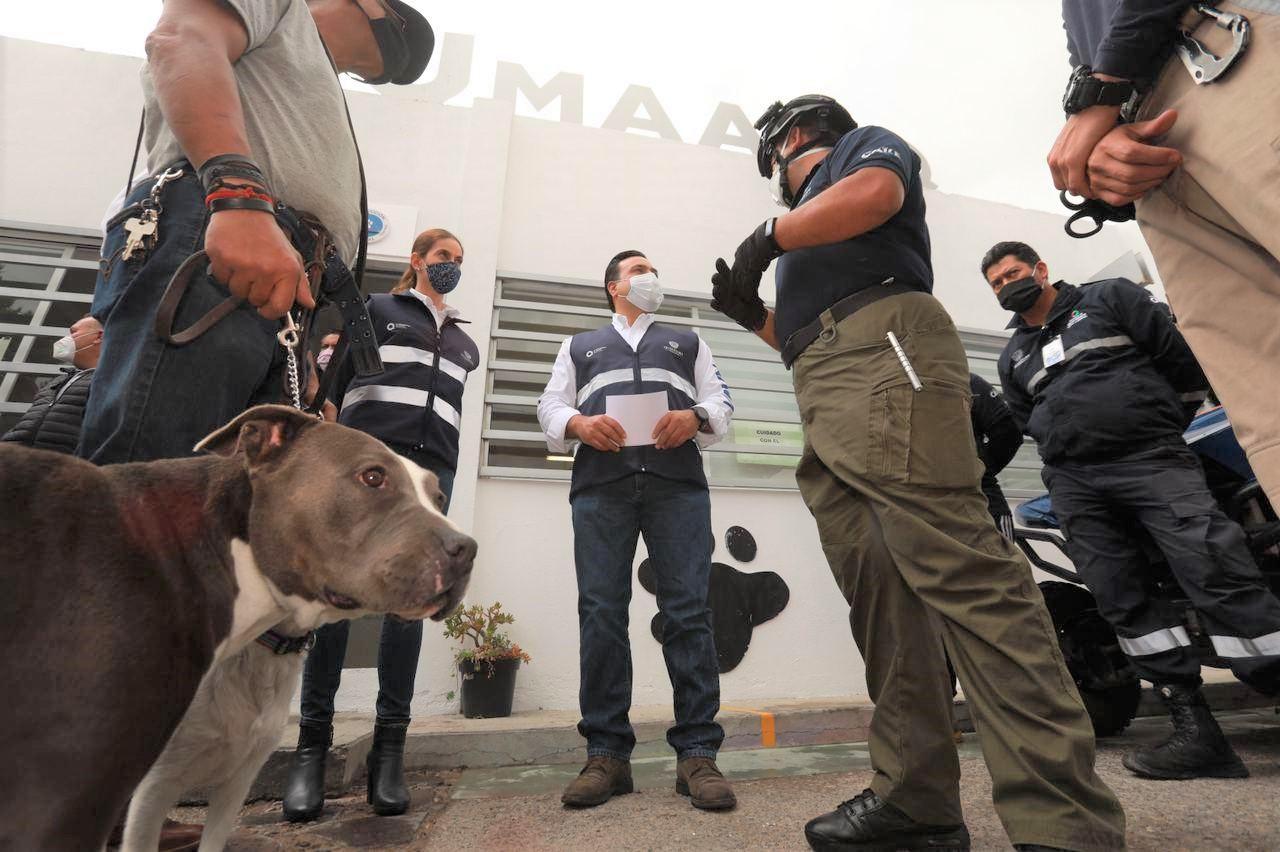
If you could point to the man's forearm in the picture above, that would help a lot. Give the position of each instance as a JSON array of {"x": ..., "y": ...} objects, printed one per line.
[
  {"x": 196, "y": 88},
  {"x": 861, "y": 202},
  {"x": 768, "y": 333}
]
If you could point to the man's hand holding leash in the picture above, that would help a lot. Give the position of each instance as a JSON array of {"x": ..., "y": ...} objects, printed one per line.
[{"x": 251, "y": 255}]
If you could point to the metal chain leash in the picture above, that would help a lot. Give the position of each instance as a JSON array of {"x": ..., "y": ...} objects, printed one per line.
[{"x": 288, "y": 337}]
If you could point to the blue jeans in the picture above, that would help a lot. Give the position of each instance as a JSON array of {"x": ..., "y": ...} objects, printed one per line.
[
  {"x": 398, "y": 649},
  {"x": 150, "y": 400},
  {"x": 675, "y": 520}
]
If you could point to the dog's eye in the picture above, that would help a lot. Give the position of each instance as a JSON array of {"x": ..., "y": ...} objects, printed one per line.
[
  {"x": 373, "y": 477},
  {"x": 440, "y": 501}
]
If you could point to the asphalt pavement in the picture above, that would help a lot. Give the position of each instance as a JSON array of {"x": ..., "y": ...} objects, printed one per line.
[{"x": 778, "y": 790}]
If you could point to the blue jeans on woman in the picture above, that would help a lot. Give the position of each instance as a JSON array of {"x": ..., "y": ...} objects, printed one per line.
[
  {"x": 398, "y": 647},
  {"x": 675, "y": 520}
]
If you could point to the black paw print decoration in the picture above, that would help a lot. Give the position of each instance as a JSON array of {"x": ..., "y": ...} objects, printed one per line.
[{"x": 739, "y": 600}]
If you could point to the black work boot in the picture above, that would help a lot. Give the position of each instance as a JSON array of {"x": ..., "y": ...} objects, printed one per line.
[
  {"x": 388, "y": 793},
  {"x": 1197, "y": 748},
  {"x": 867, "y": 822},
  {"x": 304, "y": 791}
]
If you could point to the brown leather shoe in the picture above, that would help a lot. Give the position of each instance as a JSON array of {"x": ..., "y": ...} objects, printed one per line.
[
  {"x": 699, "y": 778},
  {"x": 600, "y": 780}
]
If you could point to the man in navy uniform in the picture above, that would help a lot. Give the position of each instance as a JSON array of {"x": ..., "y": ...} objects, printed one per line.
[
  {"x": 1103, "y": 380},
  {"x": 890, "y": 473},
  {"x": 652, "y": 485}
]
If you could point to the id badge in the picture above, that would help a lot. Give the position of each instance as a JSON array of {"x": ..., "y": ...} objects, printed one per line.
[{"x": 1052, "y": 352}]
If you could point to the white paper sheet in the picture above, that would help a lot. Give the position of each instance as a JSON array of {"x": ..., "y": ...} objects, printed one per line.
[{"x": 637, "y": 414}]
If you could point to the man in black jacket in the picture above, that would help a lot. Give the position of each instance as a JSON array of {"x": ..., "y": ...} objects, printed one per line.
[
  {"x": 53, "y": 420},
  {"x": 1102, "y": 379}
]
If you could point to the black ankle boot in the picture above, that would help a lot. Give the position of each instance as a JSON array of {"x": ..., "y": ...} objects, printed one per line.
[
  {"x": 387, "y": 791},
  {"x": 304, "y": 791},
  {"x": 1197, "y": 748}
]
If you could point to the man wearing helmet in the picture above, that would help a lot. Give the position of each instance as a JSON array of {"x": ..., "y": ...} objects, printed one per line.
[{"x": 891, "y": 476}]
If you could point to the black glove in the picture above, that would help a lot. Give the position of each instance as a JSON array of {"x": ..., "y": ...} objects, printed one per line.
[
  {"x": 750, "y": 313},
  {"x": 736, "y": 292}
]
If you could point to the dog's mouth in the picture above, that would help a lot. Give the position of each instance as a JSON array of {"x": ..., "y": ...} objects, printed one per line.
[
  {"x": 338, "y": 600},
  {"x": 435, "y": 609}
]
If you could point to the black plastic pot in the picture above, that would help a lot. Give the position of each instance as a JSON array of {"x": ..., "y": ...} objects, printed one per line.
[{"x": 487, "y": 691}]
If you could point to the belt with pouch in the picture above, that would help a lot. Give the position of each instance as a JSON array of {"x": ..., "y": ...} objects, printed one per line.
[{"x": 800, "y": 339}]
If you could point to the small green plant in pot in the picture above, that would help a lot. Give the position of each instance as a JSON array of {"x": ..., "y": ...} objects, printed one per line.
[{"x": 488, "y": 665}]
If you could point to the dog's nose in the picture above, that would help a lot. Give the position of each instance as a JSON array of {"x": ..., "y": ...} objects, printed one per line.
[{"x": 459, "y": 547}]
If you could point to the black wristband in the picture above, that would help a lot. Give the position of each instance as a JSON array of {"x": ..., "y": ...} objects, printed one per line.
[
  {"x": 217, "y": 205},
  {"x": 230, "y": 165}
]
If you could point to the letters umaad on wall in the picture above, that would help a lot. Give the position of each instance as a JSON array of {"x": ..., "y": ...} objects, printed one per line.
[{"x": 637, "y": 108}]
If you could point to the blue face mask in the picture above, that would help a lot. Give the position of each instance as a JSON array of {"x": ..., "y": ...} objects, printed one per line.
[{"x": 444, "y": 277}]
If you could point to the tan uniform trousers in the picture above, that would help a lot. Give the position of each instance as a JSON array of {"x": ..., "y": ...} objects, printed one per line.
[
  {"x": 892, "y": 479},
  {"x": 1214, "y": 228}
]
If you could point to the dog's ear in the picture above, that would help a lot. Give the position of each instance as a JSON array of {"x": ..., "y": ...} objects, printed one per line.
[{"x": 261, "y": 433}]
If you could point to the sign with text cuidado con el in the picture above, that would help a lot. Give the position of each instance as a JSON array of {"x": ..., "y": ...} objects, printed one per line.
[{"x": 758, "y": 433}]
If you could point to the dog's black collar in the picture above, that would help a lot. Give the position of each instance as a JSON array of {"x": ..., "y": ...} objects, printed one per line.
[{"x": 278, "y": 643}]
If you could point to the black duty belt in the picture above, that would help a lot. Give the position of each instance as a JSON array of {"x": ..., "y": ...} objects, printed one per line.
[{"x": 800, "y": 339}]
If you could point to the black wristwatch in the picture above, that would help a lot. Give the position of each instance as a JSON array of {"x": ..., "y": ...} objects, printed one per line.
[
  {"x": 1084, "y": 90},
  {"x": 700, "y": 413}
]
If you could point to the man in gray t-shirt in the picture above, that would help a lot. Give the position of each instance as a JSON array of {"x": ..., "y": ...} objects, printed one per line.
[
  {"x": 242, "y": 108},
  {"x": 242, "y": 98}
]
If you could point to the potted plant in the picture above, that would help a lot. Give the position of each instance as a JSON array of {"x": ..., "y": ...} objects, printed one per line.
[{"x": 488, "y": 667}]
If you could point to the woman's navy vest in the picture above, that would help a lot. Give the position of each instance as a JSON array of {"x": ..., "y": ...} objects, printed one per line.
[
  {"x": 606, "y": 365},
  {"x": 416, "y": 401}
]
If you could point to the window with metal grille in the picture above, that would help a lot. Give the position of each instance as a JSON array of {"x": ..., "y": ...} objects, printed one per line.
[
  {"x": 46, "y": 284},
  {"x": 532, "y": 315}
]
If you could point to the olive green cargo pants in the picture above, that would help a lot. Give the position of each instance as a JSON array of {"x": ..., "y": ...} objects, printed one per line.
[{"x": 891, "y": 476}]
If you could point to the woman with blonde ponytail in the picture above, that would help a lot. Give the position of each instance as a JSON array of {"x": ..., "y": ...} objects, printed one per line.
[{"x": 414, "y": 407}]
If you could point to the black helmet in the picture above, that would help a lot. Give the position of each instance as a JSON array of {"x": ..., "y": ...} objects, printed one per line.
[{"x": 829, "y": 118}]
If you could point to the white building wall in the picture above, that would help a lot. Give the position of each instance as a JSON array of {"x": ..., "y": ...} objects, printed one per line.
[{"x": 538, "y": 198}]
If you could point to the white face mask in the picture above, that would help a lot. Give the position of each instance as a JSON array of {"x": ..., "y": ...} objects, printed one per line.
[
  {"x": 775, "y": 188},
  {"x": 775, "y": 179},
  {"x": 322, "y": 360},
  {"x": 64, "y": 349},
  {"x": 645, "y": 292}
]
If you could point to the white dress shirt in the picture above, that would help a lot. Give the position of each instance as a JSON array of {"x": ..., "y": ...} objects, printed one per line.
[
  {"x": 438, "y": 315},
  {"x": 557, "y": 405}
]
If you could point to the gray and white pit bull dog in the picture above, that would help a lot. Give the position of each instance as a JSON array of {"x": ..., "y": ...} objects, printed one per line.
[{"x": 121, "y": 586}]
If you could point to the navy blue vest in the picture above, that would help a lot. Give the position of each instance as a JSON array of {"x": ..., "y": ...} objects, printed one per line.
[
  {"x": 417, "y": 401},
  {"x": 606, "y": 365}
]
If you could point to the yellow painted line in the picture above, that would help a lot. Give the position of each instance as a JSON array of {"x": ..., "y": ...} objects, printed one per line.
[{"x": 768, "y": 733}]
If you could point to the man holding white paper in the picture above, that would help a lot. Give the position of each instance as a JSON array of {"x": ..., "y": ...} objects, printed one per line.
[{"x": 640, "y": 398}]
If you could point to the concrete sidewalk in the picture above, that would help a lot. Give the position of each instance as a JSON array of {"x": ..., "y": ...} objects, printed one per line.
[{"x": 549, "y": 737}]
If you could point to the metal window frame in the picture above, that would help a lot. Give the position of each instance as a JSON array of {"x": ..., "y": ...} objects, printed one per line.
[
  {"x": 980, "y": 345},
  {"x": 19, "y": 362}
]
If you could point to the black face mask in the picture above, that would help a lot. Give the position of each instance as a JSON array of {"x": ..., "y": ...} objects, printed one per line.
[
  {"x": 1020, "y": 295},
  {"x": 392, "y": 46}
]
